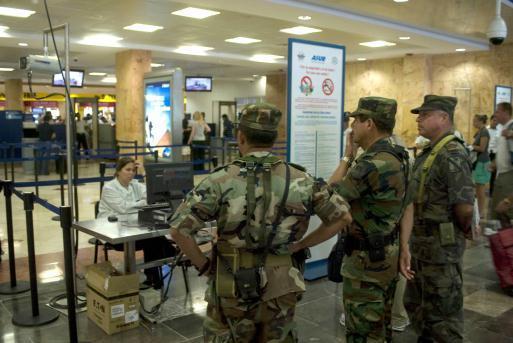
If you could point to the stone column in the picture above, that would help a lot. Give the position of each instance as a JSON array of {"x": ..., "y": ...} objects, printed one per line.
[
  {"x": 14, "y": 94},
  {"x": 130, "y": 68},
  {"x": 276, "y": 94},
  {"x": 416, "y": 83}
]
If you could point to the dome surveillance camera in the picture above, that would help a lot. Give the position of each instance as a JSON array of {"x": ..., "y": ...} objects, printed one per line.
[{"x": 497, "y": 31}]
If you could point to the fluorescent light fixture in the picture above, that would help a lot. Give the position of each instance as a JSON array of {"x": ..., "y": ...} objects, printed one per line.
[
  {"x": 6, "y": 69},
  {"x": 3, "y": 28},
  {"x": 404, "y": 38},
  {"x": 265, "y": 58},
  {"x": 300, "y": 30},
  {"x": 461, "y": 49},
  {"x": 143, "y": 27},
  {"x": 22, "y": 44},
  {"x": 96, "y": 73},
  {"x": 255, "y": 75},
  {"x": 400, "y": 0},
  {"x": 361, "y": 59},
  {"x": 193, "y": 50},
  {"x": 157, "y": 65},
  {"x": 101, "y": 40},
  {"x": 377, "y": 44},
  {"x": 242, "y": 40},
  {"x": 194, "y": 12},
  {"x": 4, "y": 34},
  {"x": 304, "y": 17},
  {"x": 109, "y": 79},
  {"x": 16, "y": 12}
]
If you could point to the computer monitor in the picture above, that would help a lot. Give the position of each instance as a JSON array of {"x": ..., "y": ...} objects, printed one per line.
[{"x": 168, "y": 181}]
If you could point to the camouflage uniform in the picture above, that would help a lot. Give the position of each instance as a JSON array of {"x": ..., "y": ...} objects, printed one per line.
[
  {"x": 375, "y": 189},
  {"x": 434, "y": 299},
  {"x": 222, "y": 196}
]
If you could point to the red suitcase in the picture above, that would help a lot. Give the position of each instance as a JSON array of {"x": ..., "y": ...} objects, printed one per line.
[{"x": 501, "y": 245}]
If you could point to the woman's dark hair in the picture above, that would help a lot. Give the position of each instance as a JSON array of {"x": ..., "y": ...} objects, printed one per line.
[
  {"x": 483, "y": 118},
  {"x": 122, "y": 162}
]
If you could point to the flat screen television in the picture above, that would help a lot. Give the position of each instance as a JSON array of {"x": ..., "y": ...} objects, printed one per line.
[
  {"x": 198, "y": 84},
  {"x": 76, "y": 79}
]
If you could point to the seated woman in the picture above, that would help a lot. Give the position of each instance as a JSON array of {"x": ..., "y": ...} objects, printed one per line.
[{"x": 121, "y": 196}]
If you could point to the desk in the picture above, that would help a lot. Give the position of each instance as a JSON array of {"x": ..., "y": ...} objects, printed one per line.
[{"x": 126, "y": 232}]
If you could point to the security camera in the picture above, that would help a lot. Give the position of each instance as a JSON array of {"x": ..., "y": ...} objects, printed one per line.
[{"x": 497, "y": 31}]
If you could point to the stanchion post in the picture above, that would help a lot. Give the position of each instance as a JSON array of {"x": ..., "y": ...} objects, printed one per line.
[
  {"x": 136, "y": 148},
  {"x": 68, "y": 272},
  {"x": 103, "y": 167},
  {"x": 37, "y": 316},
  {"x": 75, "y": 188},
  {"x": 14, "y": 287},
  {"x": 37, "y": 164},
  {"x": 11, "y": 154},
  {"x": 156, "y": 156},
  {"x": 61, "y": 176}
]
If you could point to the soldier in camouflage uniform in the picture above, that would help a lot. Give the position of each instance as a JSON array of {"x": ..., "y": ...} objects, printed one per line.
[
  {"x": 375, "y": 188},
  {"x": 443, "y": 215},
  {"x": 250, "y": 222}
]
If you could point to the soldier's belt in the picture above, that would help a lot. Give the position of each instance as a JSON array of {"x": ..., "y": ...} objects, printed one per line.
[
  {"x": 248, "y": 259},
  {"x": 354, "y": 243}
]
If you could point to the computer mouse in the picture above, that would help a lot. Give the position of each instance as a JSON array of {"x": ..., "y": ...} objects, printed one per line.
[{"x": 112, "y": 219}]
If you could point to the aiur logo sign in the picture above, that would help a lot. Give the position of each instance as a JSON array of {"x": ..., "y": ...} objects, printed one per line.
[{"x": 318, "y": 59}]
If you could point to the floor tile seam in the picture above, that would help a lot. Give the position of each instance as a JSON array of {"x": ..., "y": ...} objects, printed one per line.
[
  {"x": 302, "y": 303},
  {"x": 173, "y": 330}
]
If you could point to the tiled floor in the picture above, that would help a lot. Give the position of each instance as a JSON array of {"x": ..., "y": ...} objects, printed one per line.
[{"x": 488, "y": 312}]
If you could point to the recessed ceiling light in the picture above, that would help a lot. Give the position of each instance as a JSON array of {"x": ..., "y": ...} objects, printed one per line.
[
  {"x": 96, "y": 73},
  {"x": 156, "y": 65},
  {"x": 361, "y": 59},
  {"x": 16, "y": 12},
  {"x": 377, "y": 44},
  {"x": 143, "y": 27},
  {"x": 255, "y": 75},
  {"x": 3, "y": 28},
  {"x": 6, "y": 69},
  {"x": 404, "y": 38},
  {"x": 22, "y": 44},
  {"x": 300, "y": 30},
  {"x": 196, "y": 13},
  {"x": 242, "y": 40},
  {"x": 400, "y": 0},
  {"x": 101, "y": 40},
  {"x": 461, "y": 49},
  {"x": 264, "y": 58},
  {"x": 304, "y": 17},
  {"x": 109, "y": 79},
  {"x": 193, "y": 50}
]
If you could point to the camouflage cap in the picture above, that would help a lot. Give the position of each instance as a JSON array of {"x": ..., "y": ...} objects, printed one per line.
[
  {"x": 264, "y": 117},
  {"x": 377, "y": 109},
  {"x": 437, "y": 102}
]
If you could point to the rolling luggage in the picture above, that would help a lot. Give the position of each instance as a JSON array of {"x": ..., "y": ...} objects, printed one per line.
[{"x": 501, "y": 245}]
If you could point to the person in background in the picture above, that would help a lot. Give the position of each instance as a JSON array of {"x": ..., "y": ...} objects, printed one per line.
[
  {"x": 503, "y": 161},
  {"x": 227, "y": 127},
  {"x": 494, "y": 129},
  {"x": 347, "y": 130},
  {"x": 46, "y": 134},
  {"x": 198, "y": 139},
  {"x": 121, "y": 198},
  {"x": 81, "y": 134},
  {"x": 481, "y": 173},
  {"x": 186, "y": 128}
]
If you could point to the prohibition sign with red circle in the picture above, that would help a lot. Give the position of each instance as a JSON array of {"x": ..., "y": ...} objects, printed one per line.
[{"x": 328, "y": 87}]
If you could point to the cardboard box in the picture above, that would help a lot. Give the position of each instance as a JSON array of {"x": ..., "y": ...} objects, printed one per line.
[{"x": 112, "y": 298}]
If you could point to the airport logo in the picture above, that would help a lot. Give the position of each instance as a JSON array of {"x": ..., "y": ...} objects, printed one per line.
[
  {"x": 318, "y": 59},
  {"x": 334, "y": 60},
  {"x": 301, "y": 55}
]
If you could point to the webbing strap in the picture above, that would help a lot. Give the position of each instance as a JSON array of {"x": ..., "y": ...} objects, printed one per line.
[
  {"x": 251, "y": 200},
  {"x": 426, "y": 167},
  {"x": 267, "y": 199}
]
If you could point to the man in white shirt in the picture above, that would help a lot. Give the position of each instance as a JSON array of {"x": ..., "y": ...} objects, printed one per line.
[
  {"x": 503, "y": 159},
  {"x": 494, "y": 129}
]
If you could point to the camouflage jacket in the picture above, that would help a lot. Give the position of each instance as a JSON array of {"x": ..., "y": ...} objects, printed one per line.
[
  {"x": 448, "y": 183},
  {"x": 222, "y": 197},
  {"x": 375, "y": 189}
]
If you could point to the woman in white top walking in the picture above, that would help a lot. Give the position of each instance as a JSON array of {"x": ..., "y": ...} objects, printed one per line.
[{"x": 198, "y": 139}]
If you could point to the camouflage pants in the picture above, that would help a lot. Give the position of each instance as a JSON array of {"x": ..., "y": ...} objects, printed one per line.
[
  {"x": 368, "y": 308},
  {"x": 434, "y": 301},
  {"x": 271, "y": 321}
]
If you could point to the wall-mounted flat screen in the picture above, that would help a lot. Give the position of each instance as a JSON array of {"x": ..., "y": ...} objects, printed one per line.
[
  {"x": 76, "y": 79},
  {"x": 198, "y": 84}
]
